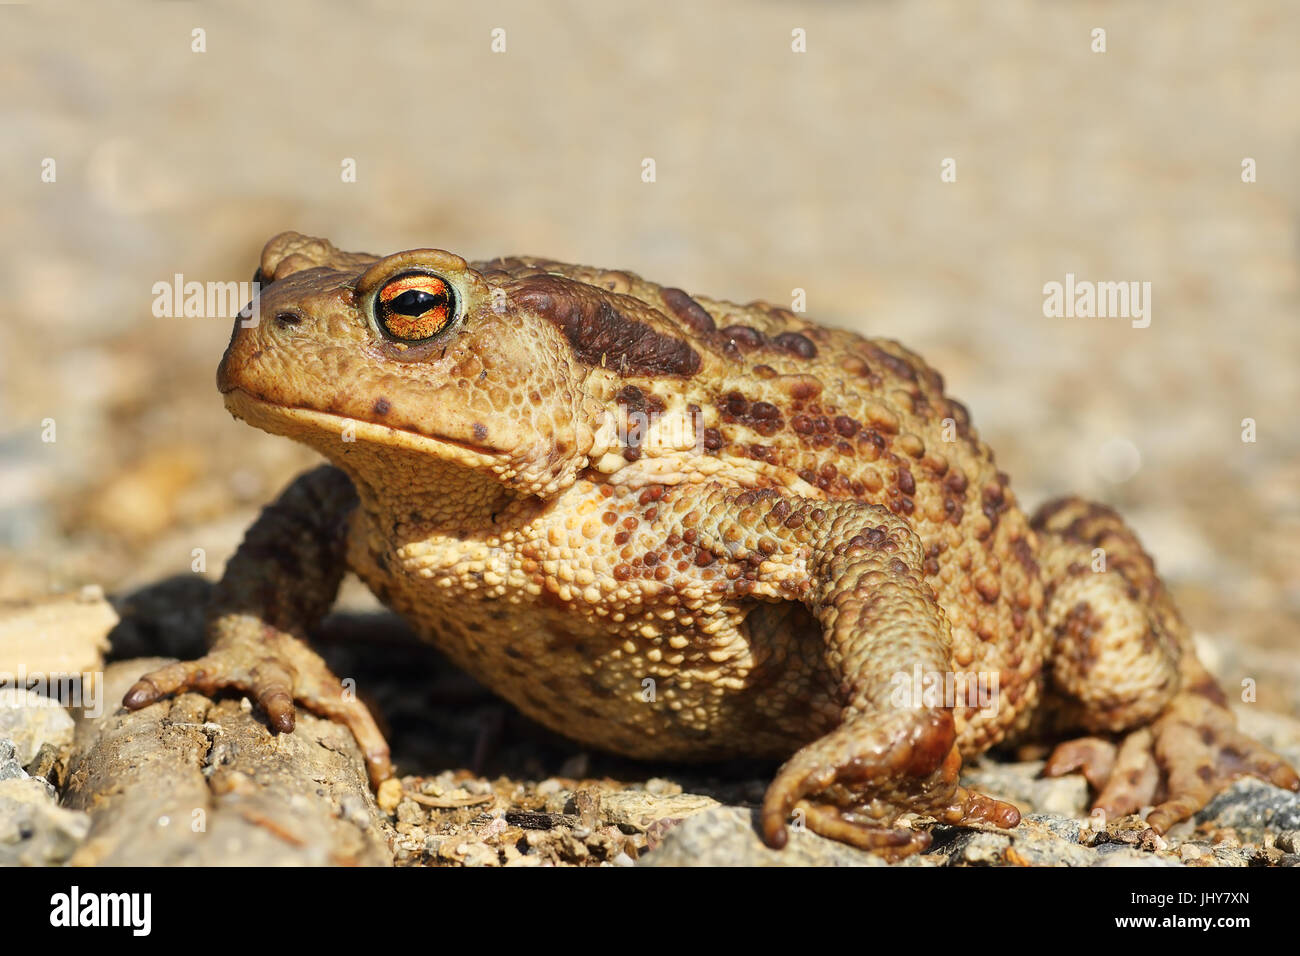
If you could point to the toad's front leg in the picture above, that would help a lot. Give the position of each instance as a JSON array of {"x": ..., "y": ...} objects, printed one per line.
[
  {"x": 858, "y": 568},
  {"x": 281, "y": 581}
]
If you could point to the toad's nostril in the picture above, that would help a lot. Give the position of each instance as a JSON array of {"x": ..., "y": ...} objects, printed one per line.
[{"x": 288, "y": 318}]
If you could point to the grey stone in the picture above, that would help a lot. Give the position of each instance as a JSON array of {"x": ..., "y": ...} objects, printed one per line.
[
  {"x": 1253, "y": 806},
  {"x": 639, "y": 810},
  {"x": 30, "y": 721},
  {"x": 725, "y": 836},
  {"x": 1233, "y": 855},
  {"x": 10, "y": 768},
  {"x": 1068, "y": 829},
  {"x": 972, "y": 848},
  {"x": 1289, "y": 841},
  {"x": 34, "y": 829},
  {"x": 1116, "y": 854},
  {"x": 1039, "y": 840}
]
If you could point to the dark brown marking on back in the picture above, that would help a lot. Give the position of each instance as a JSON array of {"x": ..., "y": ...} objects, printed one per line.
[
  {"x": 896, "y": 364},
  {"x": 690, "y": 312},
  {"x": 599, "y": 333},
  {"x": 744, "y": 336},
  {"x": 636, "y": 400},
  {"x": 795, "y": 344},
  {"x": 762, "y": 417}
]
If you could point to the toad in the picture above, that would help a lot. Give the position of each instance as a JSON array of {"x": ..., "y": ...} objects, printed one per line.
[{"x": 673, "y": 527}]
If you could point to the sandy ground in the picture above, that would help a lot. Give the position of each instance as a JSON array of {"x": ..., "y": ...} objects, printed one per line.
[{"x": 775, "y": 170}]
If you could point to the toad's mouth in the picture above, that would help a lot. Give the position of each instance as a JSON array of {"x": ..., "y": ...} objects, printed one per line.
[{"x": 334, "y": 434}]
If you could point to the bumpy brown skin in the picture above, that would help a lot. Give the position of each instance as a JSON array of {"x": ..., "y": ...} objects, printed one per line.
[{"x": 681, "y": 528}]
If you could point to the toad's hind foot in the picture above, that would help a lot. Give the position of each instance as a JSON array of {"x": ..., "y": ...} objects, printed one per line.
[
  {"x": 853, "y": 783},
  {"x": 892, "y": 843},
  {"x": 1179, "y": 763},
  {"x": 275, "y": 669}
]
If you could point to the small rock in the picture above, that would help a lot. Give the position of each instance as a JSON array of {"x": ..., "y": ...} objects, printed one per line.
[
  {"x": 1116, "y": 854},
  {"x": 659, "y": 787},
  {"x": 1068, "y": 829},
  {"x": 548, "y": 787},
  {"x": 31, "y": 720},
  {"x": 558, "y": 801},
  {"x": 410, "y": 812},
  {"x": 656, "y": 832},
  {"x": 10, "y": 768},
  {"x": 47, "y": 763},
  {"x": 570, "y": 847},
  {"x": 587, "y": 805},
  {"x": 1253, "y": 806},
  {"x": 1152, "y": 841},
  {"x": 389, "y": 795},
  {"x": 1266, "y": 856},
  {"x": 974, "y": 848},
  {"x": 352, "y": 807},
  {"x": 638, "y": 810},
  {"x": 56, "y": 634},
  {"x": 532, "y": 820},
  {"x": 1048, "y": 840},
  {"x": 473, "y": 854},
  {"x": 34, "y": 829},
  {"x": 725, "y": 836},
  {"x": 1232, "y": 855}
]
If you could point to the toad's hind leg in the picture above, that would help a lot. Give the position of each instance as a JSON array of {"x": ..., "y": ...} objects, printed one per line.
[{"x": 1121, "y": 664}]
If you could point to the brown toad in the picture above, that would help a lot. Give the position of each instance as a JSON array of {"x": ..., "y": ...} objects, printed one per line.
[{"x": 675, "y": 527}]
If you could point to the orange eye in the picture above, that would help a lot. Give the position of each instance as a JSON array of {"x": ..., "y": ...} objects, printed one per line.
[{"x": 415, "y": 306}]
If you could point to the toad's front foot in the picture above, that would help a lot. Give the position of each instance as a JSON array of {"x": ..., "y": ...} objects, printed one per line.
[
  {"x": 854, "y": 782},
  {"x": 1179, "y": 763},
  {"x": 275, "y": 669}
]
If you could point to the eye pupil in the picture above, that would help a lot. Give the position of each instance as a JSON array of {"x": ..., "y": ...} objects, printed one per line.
[{"x": 415, "y": 302}]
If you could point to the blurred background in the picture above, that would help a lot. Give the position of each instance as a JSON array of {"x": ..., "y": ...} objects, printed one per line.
[{"x": 774, "y": 170}]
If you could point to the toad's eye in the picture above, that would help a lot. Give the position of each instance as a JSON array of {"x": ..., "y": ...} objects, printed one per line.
[{"x": 415, "y": 306}]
